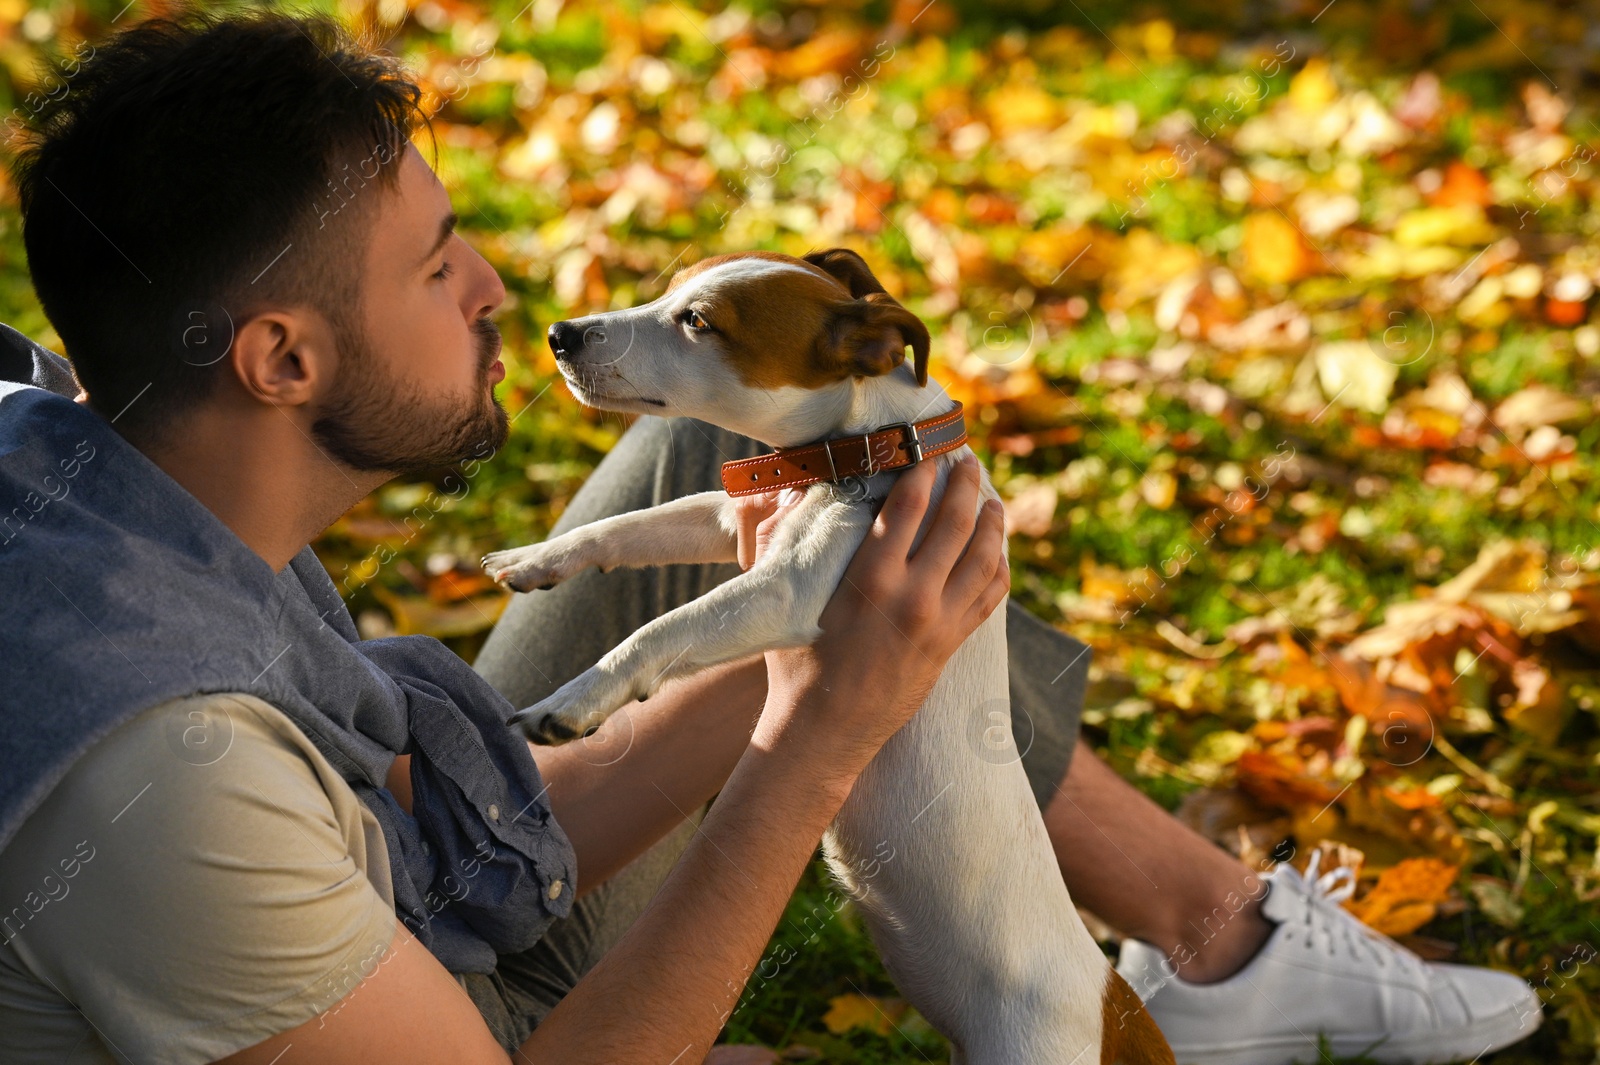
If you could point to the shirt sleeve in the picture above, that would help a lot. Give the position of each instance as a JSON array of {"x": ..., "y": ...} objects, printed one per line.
[{"x": 210, "y": 884}]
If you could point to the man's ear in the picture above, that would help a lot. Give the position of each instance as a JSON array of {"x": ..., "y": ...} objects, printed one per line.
[
  {"x": 869, "y": 337},
  {"x": 848, "y": 268},
  {"x": 277, "y": 359}
]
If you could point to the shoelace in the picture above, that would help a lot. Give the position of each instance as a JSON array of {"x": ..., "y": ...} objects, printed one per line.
[
  {"x": 1329, "y": 885},
  {"x": 1321, "y": 894}
]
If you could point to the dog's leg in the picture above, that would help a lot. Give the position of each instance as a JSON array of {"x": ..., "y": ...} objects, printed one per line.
[
  {"x": 696, "y": 528},
  {"x": 943, "y": 847},
  {"x": 775, "y": 604}
]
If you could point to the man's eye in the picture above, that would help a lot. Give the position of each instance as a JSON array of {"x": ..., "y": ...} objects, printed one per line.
[
  {"x": 443, "y": 272},
  {"x": 693, "y": 320}
]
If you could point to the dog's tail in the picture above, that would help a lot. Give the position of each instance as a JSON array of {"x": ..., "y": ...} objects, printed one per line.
[{"x": 1127, "y": 1034}]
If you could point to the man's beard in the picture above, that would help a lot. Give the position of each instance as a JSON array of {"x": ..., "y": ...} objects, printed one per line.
[{"x": 371, "y": 425}]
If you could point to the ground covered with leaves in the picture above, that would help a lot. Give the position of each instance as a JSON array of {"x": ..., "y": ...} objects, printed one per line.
[{"x": 1278, "y": 336}]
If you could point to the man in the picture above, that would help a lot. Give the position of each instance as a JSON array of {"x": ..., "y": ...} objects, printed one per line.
[{"x": 235, "y": 832}]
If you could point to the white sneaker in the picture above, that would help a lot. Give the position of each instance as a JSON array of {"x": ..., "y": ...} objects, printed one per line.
[{"x": 1324, "y": 973}]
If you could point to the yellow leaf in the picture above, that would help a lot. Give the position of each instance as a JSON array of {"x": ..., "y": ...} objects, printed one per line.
[
  {"x": 1135, "y": 588},
  {"x": 1461, "y": 224},
  {"x": 862, "y": 1011},
  {"x": 1044, "y": 255},
  {"x": 1157, "y": 36},
  {"x": 1355, "y": 375},
  {"x": 1483, "y": 306},
  {"x": 1159, "y": 489},
  {"x": 1220, "y": 748},
  {"x": 1406, "y": 896},
  {"x": 1313, "y": 89},
  {"x": 1146, "y": 264},
  {"x": 1273, "y": 250},
  {"x": 1020, "y": 106}
]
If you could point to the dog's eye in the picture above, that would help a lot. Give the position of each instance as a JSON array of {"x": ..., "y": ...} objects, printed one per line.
[{"x": 693, "y": 319}]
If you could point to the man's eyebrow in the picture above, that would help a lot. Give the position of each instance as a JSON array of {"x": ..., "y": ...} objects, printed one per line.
[{"x": 447, "y": 226}]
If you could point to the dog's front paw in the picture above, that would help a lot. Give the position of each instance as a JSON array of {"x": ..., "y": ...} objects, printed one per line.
[
  {"x": 522, "y": 569},
  {"x": 576, "y": 709}
]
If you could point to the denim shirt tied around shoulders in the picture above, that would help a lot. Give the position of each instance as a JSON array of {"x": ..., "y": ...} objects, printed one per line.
[{"x": 121, "y": 592}]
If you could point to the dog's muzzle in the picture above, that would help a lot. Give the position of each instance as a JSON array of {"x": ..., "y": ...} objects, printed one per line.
[{"x": 566, "y": 340}]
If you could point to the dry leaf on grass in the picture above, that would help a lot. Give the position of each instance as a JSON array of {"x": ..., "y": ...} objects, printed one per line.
[
  {"x": 414, "y": 614},
  {"x": 846, "y": 1012},
  {"x": 1030, "y": 511},
  {"x": 1406, "y": 896}
]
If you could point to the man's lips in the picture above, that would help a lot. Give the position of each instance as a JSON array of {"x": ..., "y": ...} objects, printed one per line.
[{"x": 497, "y": 369}]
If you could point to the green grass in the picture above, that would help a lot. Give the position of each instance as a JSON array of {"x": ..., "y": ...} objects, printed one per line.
[{"x": 1354, "y": 513}]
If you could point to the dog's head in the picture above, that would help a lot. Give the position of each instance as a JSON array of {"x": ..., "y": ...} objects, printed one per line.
[{"x": 757, "y": 342}]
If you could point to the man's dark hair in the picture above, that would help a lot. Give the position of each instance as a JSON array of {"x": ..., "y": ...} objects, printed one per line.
[{"x": 195, "y": 171}]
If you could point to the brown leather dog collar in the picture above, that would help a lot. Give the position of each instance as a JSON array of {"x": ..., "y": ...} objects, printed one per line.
[{"x": 889, "y": 447}]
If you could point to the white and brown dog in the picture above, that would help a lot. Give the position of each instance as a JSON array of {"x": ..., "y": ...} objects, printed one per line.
[{"x": 971, "y": 917}]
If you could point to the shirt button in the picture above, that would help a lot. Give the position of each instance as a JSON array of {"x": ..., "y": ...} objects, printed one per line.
[
  {"x": 494, "y": 812},
  {"x": 426, "y": 850},
  {"x": 554, "y": 891}
]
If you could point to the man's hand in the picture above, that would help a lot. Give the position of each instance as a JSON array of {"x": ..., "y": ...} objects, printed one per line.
[
  {"x": 894, "y": 621},
  {"x": 759, "y": 515}
]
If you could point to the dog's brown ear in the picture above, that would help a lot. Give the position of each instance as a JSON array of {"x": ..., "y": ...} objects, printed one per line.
[
  {"x": 869, "y": 337},
  {"x": 848, "y": 268}
]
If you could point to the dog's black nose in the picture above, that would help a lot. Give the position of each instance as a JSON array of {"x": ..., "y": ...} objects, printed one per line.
[{"x": 565, "y": 340}]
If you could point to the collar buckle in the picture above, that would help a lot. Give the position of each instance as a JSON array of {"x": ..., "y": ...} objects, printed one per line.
[{"x": 913, "y": 442}]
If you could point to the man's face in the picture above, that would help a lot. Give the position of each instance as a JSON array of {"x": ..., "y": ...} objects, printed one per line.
[{"x": 418, "y": 364}]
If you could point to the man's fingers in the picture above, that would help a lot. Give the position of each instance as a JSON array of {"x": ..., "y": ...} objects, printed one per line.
[
  {"x": 901, "y": 515},
  {"x": 984, "y": 555},
  {"x": 992, "y": 595},
  {"x": 751, "y": 511},
  {"x": 952, "y": 526}
]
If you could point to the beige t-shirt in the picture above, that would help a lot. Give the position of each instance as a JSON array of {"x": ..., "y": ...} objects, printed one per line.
[{"x": 202, "y": 879}]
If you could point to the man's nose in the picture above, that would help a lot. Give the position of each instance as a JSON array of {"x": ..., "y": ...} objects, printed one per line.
[{"x": 566, "y": 339}]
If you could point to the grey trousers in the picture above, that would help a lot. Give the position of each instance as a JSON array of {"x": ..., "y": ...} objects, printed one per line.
[{"x": 546, "y": 638}]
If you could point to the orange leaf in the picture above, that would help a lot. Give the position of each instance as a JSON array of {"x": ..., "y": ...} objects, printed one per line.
[
  {"x": 1462, "y": 186},
  {"x": 829, "y": 51},
  {"x": 862, "y": 1011},
  {"x": 1413, "y": 798},
  {"x": 1296, "y": 668},
  {"x": 1399, "y": 719},
  {"x": 454, "y": 585},
  {"x": 1406, "y": 896},
  {"x": 941, "y": 205},
  {"x": 1271, "y": 780},
  {"x": 419, "y": 614},
  {"x": 1565, "y": 313}
]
